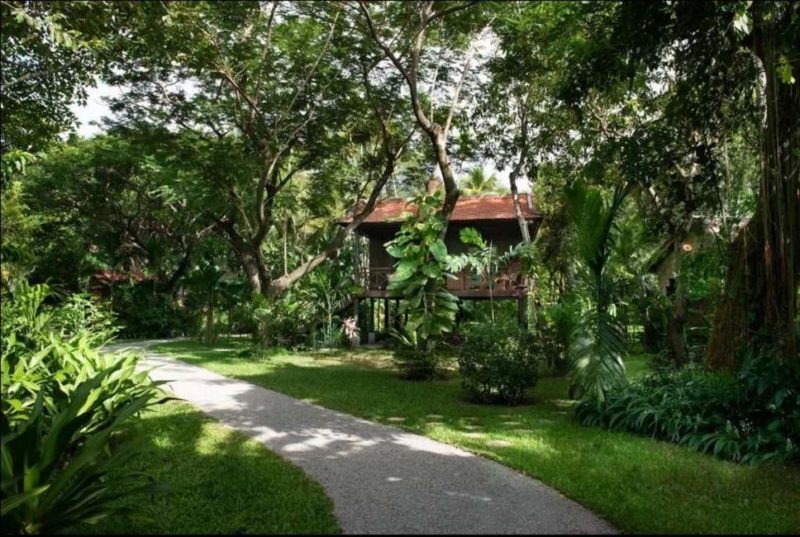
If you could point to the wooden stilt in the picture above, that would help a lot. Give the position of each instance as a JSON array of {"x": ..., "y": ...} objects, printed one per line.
[
  {"x": 371, "y": 324},
  {"x": 522, "y": 311},
  {"x": 396, "y": 320},
  {"x": 355, "y": 317}
]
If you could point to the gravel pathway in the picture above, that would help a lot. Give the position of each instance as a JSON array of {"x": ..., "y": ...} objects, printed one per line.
[{"x": 381, "y": 479}]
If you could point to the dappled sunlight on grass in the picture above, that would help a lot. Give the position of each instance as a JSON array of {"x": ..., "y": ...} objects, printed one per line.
[
  {"x": 218, "y": 442},
  {"x": 563, "y": 405},
  {"x": 376, "y": 358},
  {"x": 639, "y": 484},
  {"x": 215, "y": 481},
  {"x": 535, "y": 444}
]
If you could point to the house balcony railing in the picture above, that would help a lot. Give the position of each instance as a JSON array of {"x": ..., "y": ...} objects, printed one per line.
[
  {"x": 507, "y": 282},
  {"x": 376, "y": 278}
]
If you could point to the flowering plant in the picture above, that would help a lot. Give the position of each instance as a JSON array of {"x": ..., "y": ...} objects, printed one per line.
[{"x": 350, "y": 329}]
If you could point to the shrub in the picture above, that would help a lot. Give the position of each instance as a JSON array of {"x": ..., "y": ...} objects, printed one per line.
[
  {"x": 146, "y": 313},
  {"x": 258, "y": 353},
  {"x": 752, "y": 416},
  {"x": 498, "y": 363},
  {"x": 80, "y": 314},
  {"x": 280, "y": 323},
  {"x": 553, "y": 324},
  {"x": 415, "y": 362},
  {"x": 63, "y": 405}
]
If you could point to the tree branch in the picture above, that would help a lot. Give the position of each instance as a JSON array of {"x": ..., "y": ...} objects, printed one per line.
[
  {"x": 310, "y": 73},
  {"x": 280, "y": 285}
]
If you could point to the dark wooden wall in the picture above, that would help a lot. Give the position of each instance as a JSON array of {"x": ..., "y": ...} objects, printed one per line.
[{"x": 502, "y": 234}]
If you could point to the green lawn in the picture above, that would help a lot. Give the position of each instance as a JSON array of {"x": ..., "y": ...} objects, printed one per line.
[
  {"x": 217, "y": 481},
  {"x": 638, "y": 484}
]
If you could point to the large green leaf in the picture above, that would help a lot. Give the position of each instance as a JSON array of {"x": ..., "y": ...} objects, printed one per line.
[
  {"x": 405, "y": 269},
  {"x": 439, "y": 251}
]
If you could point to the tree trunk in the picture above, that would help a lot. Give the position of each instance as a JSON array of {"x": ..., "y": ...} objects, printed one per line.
[
  {"x": 286, "y": 244},
  {"x": 249, "y": 256},
  {"x": 523, "y": 224},
  {"x": 254, "y": 267},
  {"x": 171, "y": 286},
  {"x": 676, "y": 331},
  {"x": 280, "y": 285},
  {"x": 210, "y": 336},
  {"x": 451, "y": 193},
  {"x": 676, "y": 335},
  {"x": 250, "y": 262},
  {"x": 740, "y": 313},
  {"x": 762, "y": 282},
  {"x": 517, "y": 171}
]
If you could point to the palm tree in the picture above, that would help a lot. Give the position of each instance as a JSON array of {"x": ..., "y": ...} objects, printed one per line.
[
  {"x": 478, "y": 183},
  {"x": 598, "y": 347}
]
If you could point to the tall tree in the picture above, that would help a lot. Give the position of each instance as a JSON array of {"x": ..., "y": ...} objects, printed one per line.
[
  {"x": 721, "y": 54},
  {"x": 50, "y": 53},
  {"x": 111, "y": 203},
  {"x": 699, "y": 66},
  {"x": 765, "y": 267},
  {"x": 401, "y": 31},
  {"x": 266, "y": 87}
]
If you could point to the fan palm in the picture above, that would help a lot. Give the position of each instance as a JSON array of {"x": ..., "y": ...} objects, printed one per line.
[{"x": 598, "y": 345}]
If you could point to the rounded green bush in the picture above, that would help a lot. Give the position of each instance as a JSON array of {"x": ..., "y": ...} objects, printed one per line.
[
  {"x": 498, "y": 363},
  {"x": 415, "y": 364}
]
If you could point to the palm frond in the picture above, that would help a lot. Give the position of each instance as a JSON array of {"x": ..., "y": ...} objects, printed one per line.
[
  {"x": 597, "y": 352},
  {"x": 598, "y": 345}
]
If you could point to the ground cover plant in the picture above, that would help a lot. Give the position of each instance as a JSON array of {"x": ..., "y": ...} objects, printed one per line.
[
  {"x": 65, "y": 408},
  {"x": 750, "y": 417},
  {"x": 85, "y": 448},
  {"x": 637, "y": 483}
]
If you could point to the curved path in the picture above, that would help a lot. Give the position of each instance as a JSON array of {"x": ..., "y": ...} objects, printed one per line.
[{"x": 381, "y": 479}]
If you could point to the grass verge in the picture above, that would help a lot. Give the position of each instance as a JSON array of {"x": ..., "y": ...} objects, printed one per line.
[{"x": 216, "y": 481}]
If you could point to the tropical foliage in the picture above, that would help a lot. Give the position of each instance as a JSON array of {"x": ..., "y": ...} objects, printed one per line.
[
  {"x": 598, "y": 346},
  {"x": 65, "y": 405},
  {"x": 479, "y": 183},
  {"x": 499, "y": 363},
  {"x": 753, "y": 416},
  {"x": 419, "y": 278},
  {"x": 247, "y": 143},
  {"x": 482, "y": 259}
]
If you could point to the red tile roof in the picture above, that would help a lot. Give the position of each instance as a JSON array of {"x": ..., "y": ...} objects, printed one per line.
[
  {"x": 110, "y": 276},
  {"x": 468, "y": 208}
]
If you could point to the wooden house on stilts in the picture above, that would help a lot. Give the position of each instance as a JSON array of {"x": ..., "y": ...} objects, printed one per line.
[{"x": 492, "y": 215}]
